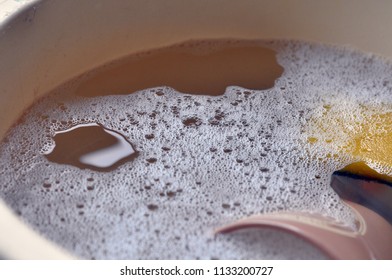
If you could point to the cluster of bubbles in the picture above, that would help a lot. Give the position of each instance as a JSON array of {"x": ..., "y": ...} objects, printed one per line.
[{"x": 203, "y": 161}]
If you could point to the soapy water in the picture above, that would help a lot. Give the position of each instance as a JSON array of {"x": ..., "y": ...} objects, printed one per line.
[
  {"x": 91, "y": 146},
  {"x": 202, "y": 161}
]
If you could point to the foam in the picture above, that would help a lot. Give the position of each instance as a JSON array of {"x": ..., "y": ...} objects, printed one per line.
[{"x": 245, "y": 152}]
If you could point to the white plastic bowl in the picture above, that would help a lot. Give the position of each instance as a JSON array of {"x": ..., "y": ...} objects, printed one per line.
[{"x": 52, "y": 41}]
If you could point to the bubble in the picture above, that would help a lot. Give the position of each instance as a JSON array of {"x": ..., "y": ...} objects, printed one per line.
[
  {"x": 151, "y": 160},
  {"x": 192, "y": 121},
  {"x": 152, "y": 207}
]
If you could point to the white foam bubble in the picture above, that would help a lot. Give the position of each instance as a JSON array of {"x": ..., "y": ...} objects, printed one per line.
[{"x": 244, "y": 153}]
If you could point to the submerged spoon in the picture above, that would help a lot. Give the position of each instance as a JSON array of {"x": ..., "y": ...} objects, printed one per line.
[
  {"x": 372, "y": 238},
  {"x": 359, "y": 183}
]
